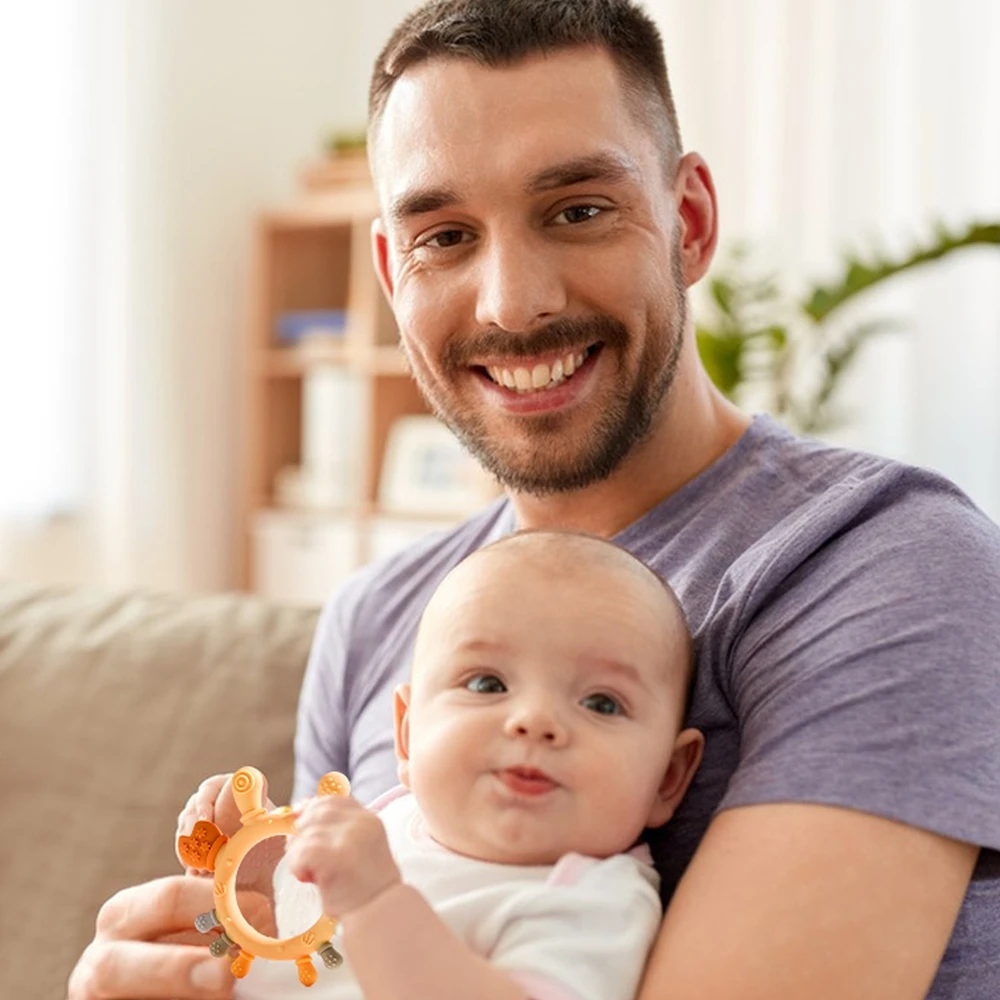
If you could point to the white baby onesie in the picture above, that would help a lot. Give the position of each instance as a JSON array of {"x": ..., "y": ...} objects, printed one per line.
[{"x": 576, "y": 930}]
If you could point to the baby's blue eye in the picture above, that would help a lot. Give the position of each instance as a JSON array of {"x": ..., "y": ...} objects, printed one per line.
[
  {"x": 602, "y": 704},
  {"x": 486, "y": 684}
]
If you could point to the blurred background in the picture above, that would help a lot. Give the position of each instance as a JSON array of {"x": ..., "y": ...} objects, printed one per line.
[{"x": 198, "y": 385}]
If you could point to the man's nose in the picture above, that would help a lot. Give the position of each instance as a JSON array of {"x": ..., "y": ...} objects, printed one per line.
[{"x": 519, "y": 287}]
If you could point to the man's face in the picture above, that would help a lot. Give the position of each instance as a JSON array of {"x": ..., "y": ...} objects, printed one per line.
[{"x": 530, "y": 251}]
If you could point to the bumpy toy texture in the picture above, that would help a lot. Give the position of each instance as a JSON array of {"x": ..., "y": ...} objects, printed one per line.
[{"x": 206, "y": 847}]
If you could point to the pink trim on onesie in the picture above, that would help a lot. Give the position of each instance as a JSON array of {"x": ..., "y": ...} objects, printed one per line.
[
  {"x": 570, "y": 867},
  {"x": 537, "y": 988},
  {"x": 387, "y": 797}
]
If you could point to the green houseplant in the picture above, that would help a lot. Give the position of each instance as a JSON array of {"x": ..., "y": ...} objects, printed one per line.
[{"x": 797, "y": 350}]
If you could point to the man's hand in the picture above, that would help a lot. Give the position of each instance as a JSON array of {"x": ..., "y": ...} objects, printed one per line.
[
  {"x": 145, "y": 947},
  {"x": 342, "y": 848}
]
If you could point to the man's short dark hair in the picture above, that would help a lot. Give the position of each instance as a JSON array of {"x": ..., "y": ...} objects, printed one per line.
[{"x": 499, "y": 33}]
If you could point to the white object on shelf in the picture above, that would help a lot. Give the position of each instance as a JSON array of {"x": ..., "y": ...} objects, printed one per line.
[
  {"x": 308, "y": 490},
  {"x": 329, "y": 443},
  {"x": 427, "y": 471},
  {"x": 302, "y": 558}
]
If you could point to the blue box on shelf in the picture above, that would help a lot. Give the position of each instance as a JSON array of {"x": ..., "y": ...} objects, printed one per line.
[{"x": 291, "y": 327}]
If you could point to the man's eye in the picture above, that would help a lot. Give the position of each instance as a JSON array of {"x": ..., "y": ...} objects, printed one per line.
[
  {"x": 578, "y": 213},
  {"x": 602, "y": 704},
  {"x": 444, "y": 240},
  {"x": 486, "y": 684}
]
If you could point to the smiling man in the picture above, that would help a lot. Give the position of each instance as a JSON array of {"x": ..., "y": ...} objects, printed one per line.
[{"x": 540, "y": 227}]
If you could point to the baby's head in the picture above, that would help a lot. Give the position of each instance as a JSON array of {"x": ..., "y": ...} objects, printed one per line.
[{"x": 544, "y": 713}]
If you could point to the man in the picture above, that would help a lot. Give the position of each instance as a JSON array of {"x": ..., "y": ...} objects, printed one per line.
[{"x": 540, "y": 227}]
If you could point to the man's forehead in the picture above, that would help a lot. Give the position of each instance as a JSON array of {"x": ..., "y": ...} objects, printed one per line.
[{"x": 449, "y": 114}]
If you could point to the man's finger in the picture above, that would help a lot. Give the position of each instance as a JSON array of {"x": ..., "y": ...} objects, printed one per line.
[
  {"x": 138, "y": 970},
  {"x": 155, "y": 909}
]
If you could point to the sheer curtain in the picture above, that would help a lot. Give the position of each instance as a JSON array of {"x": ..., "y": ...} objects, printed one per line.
[
  {"x": 837, "y": 125},
  {"x": 42, "y": 107},
  {"x": 79, "y": 389}
]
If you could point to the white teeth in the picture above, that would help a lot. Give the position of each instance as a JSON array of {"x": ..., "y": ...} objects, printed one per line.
[{"x": 540, "y": 377}]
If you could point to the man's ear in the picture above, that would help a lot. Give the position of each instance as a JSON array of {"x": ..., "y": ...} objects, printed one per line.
[
  {"x": 380, "y": 258},
  {"x": 697, "y": 217},
  {"x": 684, "y": 761},
  {"x": 401, "y": 730}
]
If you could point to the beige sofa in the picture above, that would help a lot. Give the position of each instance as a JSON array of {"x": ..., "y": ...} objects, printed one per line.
[{"x": 112, "y": 709}]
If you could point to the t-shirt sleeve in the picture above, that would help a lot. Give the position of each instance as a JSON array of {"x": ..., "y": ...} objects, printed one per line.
[
  {"x": 870, "y": 678},
  {"x": 322, "y": 736},
  {"x": 585, "y": 935}
]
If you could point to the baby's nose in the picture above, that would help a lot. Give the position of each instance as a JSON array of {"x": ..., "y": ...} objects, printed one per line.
[
  {"x": 536, "y": 724},
  {"x": 541, "y": 732}
]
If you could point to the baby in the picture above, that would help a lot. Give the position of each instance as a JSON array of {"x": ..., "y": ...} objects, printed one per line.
[{"x": 539, "y": 735}]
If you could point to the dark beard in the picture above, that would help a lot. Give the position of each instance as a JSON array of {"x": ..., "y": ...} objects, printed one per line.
[{"x": 624, "y": 422}]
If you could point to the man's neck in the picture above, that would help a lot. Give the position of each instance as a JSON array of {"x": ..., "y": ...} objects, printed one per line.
[{"x": 695, "y": 428}]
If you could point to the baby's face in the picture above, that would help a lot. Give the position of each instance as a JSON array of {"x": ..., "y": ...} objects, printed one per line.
[{"x": 544, "y": 710}]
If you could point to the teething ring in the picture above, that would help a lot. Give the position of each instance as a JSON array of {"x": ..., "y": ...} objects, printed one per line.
[{"x": 207, "y": 847}]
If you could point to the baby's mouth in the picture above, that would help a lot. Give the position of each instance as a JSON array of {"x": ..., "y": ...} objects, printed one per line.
[{"x": 527, "y": 780}]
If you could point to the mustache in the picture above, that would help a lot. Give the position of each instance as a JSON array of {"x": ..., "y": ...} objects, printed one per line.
[{"x": 562, "y": 335}]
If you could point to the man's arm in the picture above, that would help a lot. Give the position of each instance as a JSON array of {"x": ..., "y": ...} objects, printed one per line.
[{"x": 817, "y": 902}]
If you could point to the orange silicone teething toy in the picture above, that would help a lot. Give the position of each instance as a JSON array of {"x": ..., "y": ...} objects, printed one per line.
[{"x": 207, "y": 847}]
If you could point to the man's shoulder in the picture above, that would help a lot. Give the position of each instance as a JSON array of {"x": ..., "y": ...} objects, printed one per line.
[
  {"x": 781, "y": 508},
  {"x": 798, "y": 485}
]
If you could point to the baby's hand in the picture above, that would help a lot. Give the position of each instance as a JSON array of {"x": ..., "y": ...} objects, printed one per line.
[
  {"x": 215, "y": 802},
  {"x": 341, "y": 847}
]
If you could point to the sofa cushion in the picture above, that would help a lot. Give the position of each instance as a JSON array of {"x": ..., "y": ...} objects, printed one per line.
[{"x": 112, "y": 709}]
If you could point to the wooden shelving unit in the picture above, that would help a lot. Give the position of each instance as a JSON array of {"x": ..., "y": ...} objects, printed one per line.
[{"x": 314, "y": 254}]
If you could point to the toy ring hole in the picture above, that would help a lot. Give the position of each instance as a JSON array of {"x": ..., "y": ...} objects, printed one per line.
[{"x": 261, "y": 858}]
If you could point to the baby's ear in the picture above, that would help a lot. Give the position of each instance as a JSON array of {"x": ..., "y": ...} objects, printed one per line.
[
  {"x": 401, "y": 729},
  {"x": 684, "y": 761}
]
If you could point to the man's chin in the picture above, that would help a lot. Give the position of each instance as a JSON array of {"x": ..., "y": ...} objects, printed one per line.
[{"x": 541, "y": 481}]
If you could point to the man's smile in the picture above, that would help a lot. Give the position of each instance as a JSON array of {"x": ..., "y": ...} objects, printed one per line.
[{"x": 539, "y": 385}]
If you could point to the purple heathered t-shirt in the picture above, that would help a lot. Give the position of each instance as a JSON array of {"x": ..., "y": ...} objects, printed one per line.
[{"x": 846, "y": 617}]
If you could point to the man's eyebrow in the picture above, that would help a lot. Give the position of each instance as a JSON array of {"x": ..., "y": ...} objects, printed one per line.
[
  {"x": 595, "y": 167},
  {"x": 421, "y": 201},
  {"x": 605, "y": 167}
]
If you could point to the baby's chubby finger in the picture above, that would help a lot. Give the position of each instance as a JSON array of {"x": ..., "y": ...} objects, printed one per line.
[
  {"x": 326, "y": 809},
  {"x": 208, "y": 794}
]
